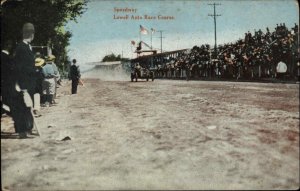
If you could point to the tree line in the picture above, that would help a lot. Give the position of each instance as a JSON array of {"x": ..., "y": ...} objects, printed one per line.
[
  {"x": 49, "y": 18},
  {"x": 112, "y": 57}
]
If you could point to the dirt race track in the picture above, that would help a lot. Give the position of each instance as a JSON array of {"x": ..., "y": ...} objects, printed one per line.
[{"x": 164, "y": 134}]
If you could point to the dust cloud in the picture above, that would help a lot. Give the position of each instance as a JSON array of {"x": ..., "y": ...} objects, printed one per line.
[{"x": 107, "y": 73}]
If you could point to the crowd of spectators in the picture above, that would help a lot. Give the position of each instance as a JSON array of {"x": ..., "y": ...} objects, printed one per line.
[
  {"x": 29, "y": 81},
  {"x": 255, "y": 56},
  {"x": 48, "y": 79}
]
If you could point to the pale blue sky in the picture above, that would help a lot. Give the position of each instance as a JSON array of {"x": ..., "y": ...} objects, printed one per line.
[{"x": 96, "y": 33}]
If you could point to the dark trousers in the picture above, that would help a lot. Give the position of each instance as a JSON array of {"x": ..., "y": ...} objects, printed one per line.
[
  {"x": 74, "y": 86},
  {"x": 43, "y": 99},
  {"x": 21, "y": 114},
  {"x": 280, "y": 76},
  {"x": 6, "y": 98}
]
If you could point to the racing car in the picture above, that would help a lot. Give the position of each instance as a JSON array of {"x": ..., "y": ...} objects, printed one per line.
[{"x": 139, "y": 72}]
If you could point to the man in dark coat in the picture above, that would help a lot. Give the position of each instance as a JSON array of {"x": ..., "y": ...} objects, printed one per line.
[
  {"x": 26, "y": 79},
  {"x": 25, "y": 61},
  {"x": 8, "y": 78},
  {"x": 74, "y": 76}
]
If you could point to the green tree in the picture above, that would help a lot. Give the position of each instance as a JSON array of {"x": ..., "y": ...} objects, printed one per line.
[
  {"x": 49, "y": 18},
  {"x": 112, "y": 57}
]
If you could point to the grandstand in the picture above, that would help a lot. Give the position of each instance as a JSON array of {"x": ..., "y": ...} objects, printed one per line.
[{"x": 253, "y": 58}]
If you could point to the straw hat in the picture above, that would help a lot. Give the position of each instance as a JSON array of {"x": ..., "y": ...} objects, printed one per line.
[
  {"x": 50, "y": 58},
  {"x": 39, "y": 61}
]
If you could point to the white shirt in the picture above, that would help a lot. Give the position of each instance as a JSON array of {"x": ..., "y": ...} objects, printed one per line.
[
  {"x": 5, "y": 52},
  {"x": 281, "y": 67},
  {"x": 26, "y": 42}
]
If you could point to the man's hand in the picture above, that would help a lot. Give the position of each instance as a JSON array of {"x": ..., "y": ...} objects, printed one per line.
[
  {"x": 17, "y": 87},
  {"x": 27, "y": 99}
]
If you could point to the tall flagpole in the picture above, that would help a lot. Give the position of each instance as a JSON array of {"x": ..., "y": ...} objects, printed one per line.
[
  {"x": 161, "y": 37},
  {"x": 140, "y": 36},
  {"x": 151, "y": 39}
]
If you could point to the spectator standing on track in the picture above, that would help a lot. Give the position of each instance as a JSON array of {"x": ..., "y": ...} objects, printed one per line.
[
  {"x": 74, "y": 76},
  {"x": 49, "y": 81},
  {"x": 39, "y": 63},
  {"x": 26, "y": 83},
  {"x": 25, "y": 61},
  {"x": 56, "y": 76},
  {"x": 7, "y": 76}
]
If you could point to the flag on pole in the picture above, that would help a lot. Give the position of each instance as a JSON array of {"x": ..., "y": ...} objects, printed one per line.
[
  {"x": 143, "y": 30},
  {"x": 153, "y": 30},
  {"x": 133, "y": 42}
]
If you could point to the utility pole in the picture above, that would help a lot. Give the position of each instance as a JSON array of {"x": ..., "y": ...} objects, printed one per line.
[
  {"x": 151, "y": 40},
  {"x": 161, "y": 37},
  {"x": 215, "y": 22},
  {"x": 151, "y": 37}
]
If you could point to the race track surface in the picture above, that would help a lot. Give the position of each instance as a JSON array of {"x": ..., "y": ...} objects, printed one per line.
[{"x": 164, "y": 134}]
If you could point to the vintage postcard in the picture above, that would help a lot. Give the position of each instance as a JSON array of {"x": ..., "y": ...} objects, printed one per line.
[{"x": 149, "y": 94}]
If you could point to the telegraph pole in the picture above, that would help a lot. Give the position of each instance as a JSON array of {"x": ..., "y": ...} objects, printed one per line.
[
  {"x": 215, "y": 22},
  {"x": 161, "y": 37}
]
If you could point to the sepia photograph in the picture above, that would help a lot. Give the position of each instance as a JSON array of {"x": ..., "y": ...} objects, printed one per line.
[{"x": 150, "y": 95}]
